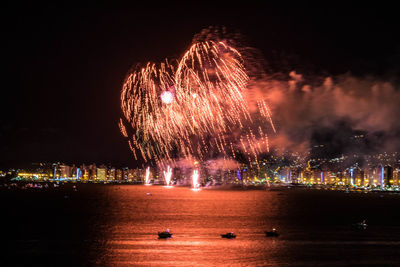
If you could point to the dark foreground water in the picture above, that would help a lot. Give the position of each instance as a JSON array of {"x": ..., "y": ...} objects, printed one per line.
[{"x": 117, "y": 225}]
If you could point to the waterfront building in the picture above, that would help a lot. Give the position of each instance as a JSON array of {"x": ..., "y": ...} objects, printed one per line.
[
  {"x": 101, "y": 173},
  {"x": 65, "y": 171},
  {"x": 119, "y": 175},
  {"x": 360, "y": 178},
  {"x": 111, "y": 174},
  {"x": 285, "y": 174},
  {"x": 396, "y": 176},
  {"x": 92, "y": 172},
  {"x": 388, "y": 175}
]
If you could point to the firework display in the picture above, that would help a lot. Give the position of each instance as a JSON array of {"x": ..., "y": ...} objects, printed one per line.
[
  {"x": 195, "y": 179},
  {"x": 168, "y": 176},
  {"x": 193, "y": 107},
  {"x": 147, "y": 177}
]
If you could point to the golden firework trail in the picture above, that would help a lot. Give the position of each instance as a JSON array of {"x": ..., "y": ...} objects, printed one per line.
[{"x": 194, "y": 107}]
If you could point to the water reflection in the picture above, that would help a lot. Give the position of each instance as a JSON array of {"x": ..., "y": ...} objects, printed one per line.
[
  {"x": 313, "y": 227},
  {"x": 197, "y": 219},
  {"x": 111, "y": 225}
]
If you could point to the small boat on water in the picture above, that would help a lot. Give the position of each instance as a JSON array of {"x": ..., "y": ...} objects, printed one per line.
[
  {"x": 360, "y": 225},
  {"x": 229, "y": 235},
  {"x": 165, "y": 234},
  {"x": 273, "y": 232}
]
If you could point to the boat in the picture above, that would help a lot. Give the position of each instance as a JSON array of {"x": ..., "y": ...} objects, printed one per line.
[
  {"x": 229, "y": 235},
  {"x": 273, "y": 232},
  {"x": 360, "y": 225},
  {"x": 165, "y": 234}
]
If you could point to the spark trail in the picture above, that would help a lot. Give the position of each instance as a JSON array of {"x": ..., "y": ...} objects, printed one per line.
[
  {"x": 168, "y": 176},
  {"x": 193, "y": 107},
  {"x": 195, "y": 179},
  {"x": 147, "y": 178}
]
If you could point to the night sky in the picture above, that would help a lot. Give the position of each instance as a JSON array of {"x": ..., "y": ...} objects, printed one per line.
[{"x": 65, "y": 64}]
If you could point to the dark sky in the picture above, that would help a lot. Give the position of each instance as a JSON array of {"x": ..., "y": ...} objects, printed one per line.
[{"x": 65, "y": 64}]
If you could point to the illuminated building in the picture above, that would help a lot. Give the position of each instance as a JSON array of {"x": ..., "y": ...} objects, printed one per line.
[
  {"x": 111, "y": 174},
  {"x": 373, "y": 176},
  {"x": 92, "y": 172},
  {"x": 360, "y": 178},
  {"x": 101, "y": 173},
  {"x": 29, "y": 175},
  {"x": 295, "y": 176},
  {"x": 331, "y": 178},
  {"x": 388, "y": 175},
  {"x": 396, "y": 176},
  {"x": 78, "y": 174},
  {"x": 125, "y": 174},
  {"x": 56, "y": 171},
  {"x": 73, "y": 172},
  {"x": 285, "y": 174},
  {"x": 84, "y": 172},
  {"x": 119, "y": 175},
  {"x": 64, "y": 171}
]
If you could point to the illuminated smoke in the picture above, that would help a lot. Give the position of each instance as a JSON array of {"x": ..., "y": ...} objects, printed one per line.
[{"x": 334, "y": 106}]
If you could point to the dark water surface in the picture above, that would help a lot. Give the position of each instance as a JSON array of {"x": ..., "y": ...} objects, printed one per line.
[{"x": 117, "y": 225}]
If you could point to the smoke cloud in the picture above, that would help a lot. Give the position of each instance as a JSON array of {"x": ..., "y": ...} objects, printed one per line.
[{"x": 305, "y": 111}]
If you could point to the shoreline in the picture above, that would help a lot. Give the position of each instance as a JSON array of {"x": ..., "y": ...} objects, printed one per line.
[{"x": 234, "y": 187}]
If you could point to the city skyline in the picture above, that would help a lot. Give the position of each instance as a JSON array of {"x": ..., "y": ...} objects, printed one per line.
[{"x": 380, "y": 171}]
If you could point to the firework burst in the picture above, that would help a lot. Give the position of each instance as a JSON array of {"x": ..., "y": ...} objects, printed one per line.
[{"x": 194, "y": 107}]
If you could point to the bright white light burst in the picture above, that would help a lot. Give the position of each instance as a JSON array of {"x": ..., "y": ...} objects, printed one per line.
[{"x": 167, "y": 97}]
